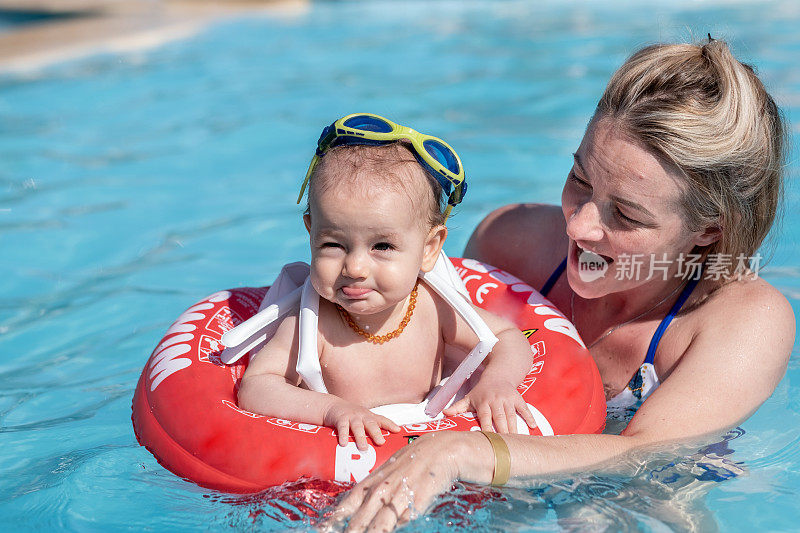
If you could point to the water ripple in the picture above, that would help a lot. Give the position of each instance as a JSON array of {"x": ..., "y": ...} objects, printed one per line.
[
  {"x": 296, "y": 504},
  {"x": 92, "y": 288},
  {"x": 788, "y": 454},
  {"x": 49, "y": 471},
  {"x": 20, "y": 190},
  {"x": 85, "y": 412}
]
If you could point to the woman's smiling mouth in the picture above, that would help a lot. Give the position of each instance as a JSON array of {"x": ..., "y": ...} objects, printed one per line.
[{"x": 580, "y": 251}]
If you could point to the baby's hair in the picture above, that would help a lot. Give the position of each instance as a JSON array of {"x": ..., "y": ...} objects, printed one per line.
[{"x": 390, "y": 165}]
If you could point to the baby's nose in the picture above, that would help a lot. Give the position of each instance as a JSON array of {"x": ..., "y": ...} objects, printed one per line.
[{"x": 355, "y": 266}]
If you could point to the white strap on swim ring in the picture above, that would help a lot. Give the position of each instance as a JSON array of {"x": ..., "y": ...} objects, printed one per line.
[{"x": 293, "y": 286}]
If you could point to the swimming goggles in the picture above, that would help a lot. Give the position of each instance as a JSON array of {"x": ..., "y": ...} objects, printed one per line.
[{"x": 435, "y": 155}]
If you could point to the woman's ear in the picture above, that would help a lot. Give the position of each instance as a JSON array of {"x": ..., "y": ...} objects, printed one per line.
[
  {"x": 433, "y": 245},
  {"x": 711, "y": 235}
]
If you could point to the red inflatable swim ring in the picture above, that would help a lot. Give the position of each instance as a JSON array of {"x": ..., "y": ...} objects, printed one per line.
[{"x": 185, "y": 412}]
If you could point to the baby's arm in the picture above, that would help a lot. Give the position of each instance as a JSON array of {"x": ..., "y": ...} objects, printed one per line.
[
  {"x": 495, "y": 398},
  {"x": 270, "y": 386}
]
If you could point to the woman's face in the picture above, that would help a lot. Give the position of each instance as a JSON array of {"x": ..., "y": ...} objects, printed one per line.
[{"x": 622, "y": 204}]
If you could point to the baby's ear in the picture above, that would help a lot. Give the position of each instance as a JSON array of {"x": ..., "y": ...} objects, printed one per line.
[
  {"x": 433, "y": 245},
  {"x": 307, "y": 222}
]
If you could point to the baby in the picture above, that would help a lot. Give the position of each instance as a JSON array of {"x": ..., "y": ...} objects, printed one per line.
[{"x": 375, "y": 221}]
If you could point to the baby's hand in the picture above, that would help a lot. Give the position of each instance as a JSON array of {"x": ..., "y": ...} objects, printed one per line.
[
  {"x": 347, "y": 417},
  {"x": 496, "y": 403}
]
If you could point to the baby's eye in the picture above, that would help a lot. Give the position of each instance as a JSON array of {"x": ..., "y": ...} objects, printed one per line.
[
  {"x": 330, "y": 244},
  {"x": 383, "y": 246}
]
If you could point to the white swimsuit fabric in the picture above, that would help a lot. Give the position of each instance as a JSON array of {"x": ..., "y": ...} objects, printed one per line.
[{"x": 635, "y": 392}]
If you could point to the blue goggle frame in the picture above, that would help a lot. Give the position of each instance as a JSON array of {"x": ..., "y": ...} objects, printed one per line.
[{"x": 436, "y": 156}]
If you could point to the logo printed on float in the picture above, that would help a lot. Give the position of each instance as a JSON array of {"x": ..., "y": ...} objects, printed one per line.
[
  {"x": 557, "y": 325},
  {"x": 166, "y": 358},
  {"x": 351, "y": 464}
]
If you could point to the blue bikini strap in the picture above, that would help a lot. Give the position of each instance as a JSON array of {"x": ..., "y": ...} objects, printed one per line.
[
  {"x": 662, "y": 327},
  {"x": 553, "y": 278}
]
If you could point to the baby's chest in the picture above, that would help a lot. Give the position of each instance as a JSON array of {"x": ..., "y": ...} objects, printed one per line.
[{"x": 393, "y": 372}]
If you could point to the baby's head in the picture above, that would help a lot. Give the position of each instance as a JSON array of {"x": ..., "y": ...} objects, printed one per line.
[
  {"x": 375, "y": 220},
  {"x": 375, "y": 170}
]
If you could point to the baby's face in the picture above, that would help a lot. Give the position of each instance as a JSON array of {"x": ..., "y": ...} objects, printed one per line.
[{"x": 367, "y": 248}]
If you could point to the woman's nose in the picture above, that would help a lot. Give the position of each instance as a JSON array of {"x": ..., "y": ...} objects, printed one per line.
[
  {"x": 584, "y": 224},
  {"x": 355, "y": 265}
]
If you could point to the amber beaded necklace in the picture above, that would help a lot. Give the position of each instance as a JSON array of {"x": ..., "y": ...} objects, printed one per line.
[{"x": 380, "y": 339}]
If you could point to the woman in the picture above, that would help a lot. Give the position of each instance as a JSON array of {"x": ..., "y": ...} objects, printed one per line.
[{"x": 680, "y": 167}]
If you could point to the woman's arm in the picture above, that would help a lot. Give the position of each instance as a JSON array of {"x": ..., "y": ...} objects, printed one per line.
[
  {"x": 732, "y": 366},
  {"x": 407, "y": 483}
]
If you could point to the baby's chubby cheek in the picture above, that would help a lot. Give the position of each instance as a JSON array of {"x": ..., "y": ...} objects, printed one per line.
[{"x": 322, "y": 288}]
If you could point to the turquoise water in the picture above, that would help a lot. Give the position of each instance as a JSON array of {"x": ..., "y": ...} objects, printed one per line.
[{"x": 132, "y": 185}]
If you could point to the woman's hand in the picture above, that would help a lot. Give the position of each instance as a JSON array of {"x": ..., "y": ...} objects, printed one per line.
[
  {"x": 496, "y": 403},
  {"x": 405, "y": 485},
  {"x": 348, "y": 417}
]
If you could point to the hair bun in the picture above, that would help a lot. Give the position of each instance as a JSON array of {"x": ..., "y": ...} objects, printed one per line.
[{"x": 709, "y": 115}]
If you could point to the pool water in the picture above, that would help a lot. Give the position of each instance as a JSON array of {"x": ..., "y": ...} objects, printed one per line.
[{"x": 132, "y": 185}]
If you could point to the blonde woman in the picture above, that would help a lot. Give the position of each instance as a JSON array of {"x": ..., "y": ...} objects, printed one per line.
[{"x": 674, "y": 187}]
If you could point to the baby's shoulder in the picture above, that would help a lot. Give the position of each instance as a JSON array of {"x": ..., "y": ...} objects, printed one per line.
[
  {"x": 428, "y": 295},
  {"x": 451, "y": 325},
  {"x": 285, "y": 328}
]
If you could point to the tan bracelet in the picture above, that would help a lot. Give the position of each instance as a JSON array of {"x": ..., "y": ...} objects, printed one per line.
[{"x": 502, "y": 459}]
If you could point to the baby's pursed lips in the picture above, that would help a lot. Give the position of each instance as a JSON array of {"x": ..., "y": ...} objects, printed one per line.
[{"x": 355, "y": 292}]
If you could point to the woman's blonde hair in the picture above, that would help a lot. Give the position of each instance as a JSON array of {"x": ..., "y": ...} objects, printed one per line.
[{"x": 708, "y": 115}]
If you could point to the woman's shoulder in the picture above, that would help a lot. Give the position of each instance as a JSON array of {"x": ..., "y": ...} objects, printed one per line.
[
  {"x": 751, "y": 300},
  {"x": 739, "y": 340},
  {"x": 527, "y": 240},
  {"x": 748, "y": 316}
]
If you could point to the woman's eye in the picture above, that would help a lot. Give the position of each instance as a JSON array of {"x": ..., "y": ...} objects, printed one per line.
[
  {"x": 383, "y": 247},
  {"x": 579, "y": 182},
  {"x": 627, "y": 219}
]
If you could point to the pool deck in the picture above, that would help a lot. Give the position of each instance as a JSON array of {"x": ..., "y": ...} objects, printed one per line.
[{"x": 86, "y": 27}]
